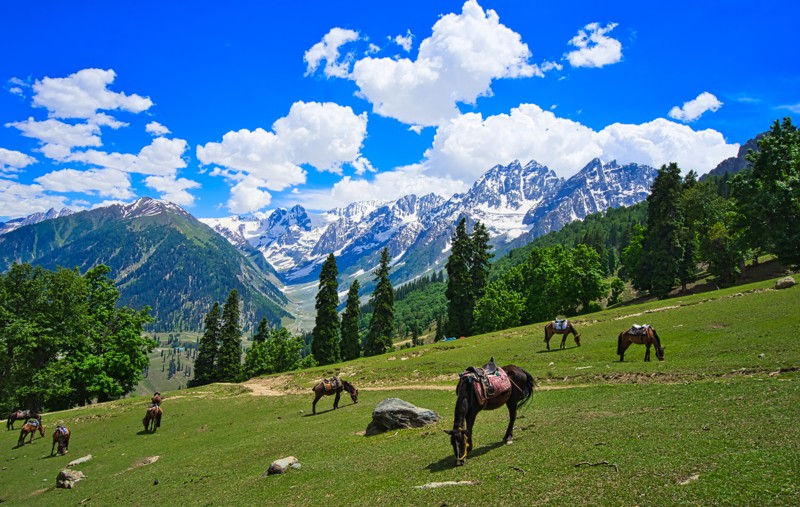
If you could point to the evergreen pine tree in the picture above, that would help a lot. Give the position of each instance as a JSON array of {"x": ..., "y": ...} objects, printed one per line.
[
  {"x": 459, "y": 283},
  {"x": 381, "y": 325},
  {"x": 663, "y": 247},
  {"x": 351, "y": 341},
  {"x": 229, "y": 364},
  {"x": 479, "y": 262},
  {"x": 262, "y": 332},
  {"x": 207, "y": 350},
  {"x": 325, "y": 336}
]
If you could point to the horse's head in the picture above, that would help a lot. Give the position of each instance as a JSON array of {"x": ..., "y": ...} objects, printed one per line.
[
  {"x": 660, "y": 353},
  {"x": 458, "y": 439},
  {"x": 578, "y": 340},
  {"x": 354, "y": 395},
  {"x": 41, "y": 430}
]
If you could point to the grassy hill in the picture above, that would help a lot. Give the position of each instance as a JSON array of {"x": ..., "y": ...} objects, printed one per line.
[{"x": 714, "y": 424}]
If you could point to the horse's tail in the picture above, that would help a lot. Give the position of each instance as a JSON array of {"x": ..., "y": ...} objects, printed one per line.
[
  {"x": 619, "y": 343},
  {"x": 527, "y": 389},
  {"x": 545, "y": 332}
]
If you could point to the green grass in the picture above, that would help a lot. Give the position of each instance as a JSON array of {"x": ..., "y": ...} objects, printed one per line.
[{"x": 714, "y": 424}]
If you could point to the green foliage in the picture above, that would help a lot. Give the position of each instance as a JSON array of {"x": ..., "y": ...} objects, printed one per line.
[
  {"x": 768, "y": 194},
  {"x": 277, "y": 353},
  {"x": 459, "y": 283},
  {"x": 381, "y": 325},
  {"x": 499, "y": 308},
  {"x": 325, "y": 335},
  {"x": 64, "y": 341},
  {"x": 229, "y": 360},
  {"x": 351, "y": 339},
  {"x": 205, "y": 366}
]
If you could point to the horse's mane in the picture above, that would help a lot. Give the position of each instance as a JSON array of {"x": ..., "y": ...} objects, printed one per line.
[
  {"x": 655, "y": 336},
  {"x": 348, "y": 386}
]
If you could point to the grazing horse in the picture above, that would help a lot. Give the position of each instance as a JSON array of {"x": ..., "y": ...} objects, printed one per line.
[
  {"x": 29, "y": 428},
  {"x": 469, "y": 403},
  {"x": 565, "y": 329},
  {"x": 643, "y": 335},
  {"x": 152, "y": 418},
  {"x": 61, "y": 437},
  {"x": 21, "y": 415},
  {"x": 335, "y": 386}
]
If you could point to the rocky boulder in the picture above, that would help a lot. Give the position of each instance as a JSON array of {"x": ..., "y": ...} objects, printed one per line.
[
  {"x": 785, "y": 282},
  {"x": 280, "y": 466},
  {"x": 67, "y": 478},
  {"x": 394, "y": 413}
]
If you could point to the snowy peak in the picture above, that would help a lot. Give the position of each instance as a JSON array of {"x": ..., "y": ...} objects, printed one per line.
[
  {"x": 148, "y": 207},
  {"x": 34, "y": 218}
]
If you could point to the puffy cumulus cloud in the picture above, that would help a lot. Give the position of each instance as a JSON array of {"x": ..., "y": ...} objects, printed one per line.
[
  {"x": 456, "y": 64},
  {"x": 173, "y": 189},
  {"x": 404, "y": 41},
  {"x": 103, "y": 182},
  {"x": 161, "y": 157},
  {"x": 19, "y": 200},
  {"x": 63, "y": 135},
  {"x": 328, "y": 50},
  {"x": 694, "y": 109},
  {"x": 12, "y": 161},
  {"x": 595, "y": 49},
  {"x": 323, "y": 135},
  {"x": 384, "y": 186},
  {"x": 83, "y": 94},
  {"x": 248, "y": 195},
  {"x": 466, "y": 147},
  {"x": 156, "y": 129}
]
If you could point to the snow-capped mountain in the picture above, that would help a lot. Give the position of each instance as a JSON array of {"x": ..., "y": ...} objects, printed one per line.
[
  {"x": 33, "y": 219},
  {"x": 516, "y": 203}
]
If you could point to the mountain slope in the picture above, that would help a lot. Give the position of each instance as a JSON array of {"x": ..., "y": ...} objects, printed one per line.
[{"x": 159, "y": 255}]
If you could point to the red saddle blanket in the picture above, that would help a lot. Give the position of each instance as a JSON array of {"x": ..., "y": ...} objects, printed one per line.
[{"x": 491, "y": 386}]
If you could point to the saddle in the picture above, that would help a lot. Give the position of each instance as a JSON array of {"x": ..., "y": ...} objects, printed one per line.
[
  {"x": 331, "y": 384},
  {"x": 33, "y": 422},
  {"x": 637, "y": 330},
  {"x": 489, "y": 382},
  {"x": 561, "y": 324}
]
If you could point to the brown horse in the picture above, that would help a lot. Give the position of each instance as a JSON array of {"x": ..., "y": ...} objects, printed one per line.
[
  {"x": 152, "y": 418},
  {"x": 565, "y": 329},
  {"x": 29, "y": 428},
  {"x": 468, "y": 405},
  {"x": 335, "y": 386},
  {"x": 61, "y": 437},
  {"x": 21, "y": 415},
  {"x": 643, "y": 335},
  {"x": 156, "y": 399}
]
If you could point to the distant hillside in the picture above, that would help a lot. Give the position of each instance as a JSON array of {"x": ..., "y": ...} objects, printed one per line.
[
  {"x": 735, "y": 164},
  {"x": 159, "y": 255}
]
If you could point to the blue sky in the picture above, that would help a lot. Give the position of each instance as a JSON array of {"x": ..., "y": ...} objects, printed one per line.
[{"x": 238, "y": 107}]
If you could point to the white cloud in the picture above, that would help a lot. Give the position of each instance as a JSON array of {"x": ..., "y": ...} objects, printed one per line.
[
  {"x": 328, "y": 50},
  {"x": 467, "y": 146},
  {"x": 794, "y": 108},
  {"x": 18, "y": 200},
  {"x": 12, "y": 161},
  {"x": 103, "y": 182},
  {"x": 82, "y": 94},
  {"x": 16, "y": 90},
  {"x": 456, "y": 64},
  {"x": 156, "y": 129},
  {"x": 595, "y": 49},
  {"x": 387, "y": 185},
  {"x": 323, "y": 135},
  {"x": 173, "y": 189},
  {"x": 694, "y": 109},
  {"x": 162, "y": 157},
  {"x": 404, "y": 41},
  {"x": 58, "y": 133}
]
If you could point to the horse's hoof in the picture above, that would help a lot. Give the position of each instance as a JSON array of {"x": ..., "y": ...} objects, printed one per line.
[
  {"x": 459, "y": 462},
  {"x": 509, "y": 442}
]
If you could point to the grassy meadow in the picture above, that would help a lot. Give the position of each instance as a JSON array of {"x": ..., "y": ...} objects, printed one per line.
[{"x": 714, "y": 424}]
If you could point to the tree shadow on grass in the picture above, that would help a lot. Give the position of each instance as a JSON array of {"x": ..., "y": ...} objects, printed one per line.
[{"x": 449, "y": 462}]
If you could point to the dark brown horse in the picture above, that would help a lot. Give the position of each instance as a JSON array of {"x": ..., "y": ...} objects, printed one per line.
[
  {"x": 61, "y": 437},
  {"x": 152, "y": 418},
  {"x": 29, "y": 428},
  {"x": 643, "y": 335},
  {"x": 468, "y": 405},
  {"x": 565, "y": 328},
  {"x": 157, "y": 399},
  {"x": 21, "y": 415},
  {"x": 331, "y": 386}
]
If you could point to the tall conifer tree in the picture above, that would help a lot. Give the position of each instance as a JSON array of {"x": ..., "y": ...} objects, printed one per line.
[
  {"x": 663, "y": 246},
  {"x": 459, "y": 283},
  {"x": 381, "y": 325},
  {"x": 325, "y": 336},
  {"x": 207, "y": 350},
  {"x": 351, "y": 341},
  {"x": 479, "y": 261},
  {"x": 229, "y": 364}
]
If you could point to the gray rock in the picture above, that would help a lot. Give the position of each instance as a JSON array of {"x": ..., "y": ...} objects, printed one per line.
[
  {"x": 394, "y": 413},
  {"x": 79, "y": 461},
  {"x": 280, "y": 466},
  {"x": 785, "y": 282},
  {"x": 67, "y": 478}
]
